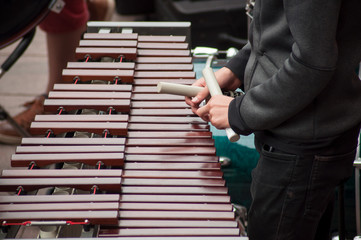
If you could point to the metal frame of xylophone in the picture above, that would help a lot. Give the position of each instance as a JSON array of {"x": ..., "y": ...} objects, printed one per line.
[{"x": 170, "y": 182}]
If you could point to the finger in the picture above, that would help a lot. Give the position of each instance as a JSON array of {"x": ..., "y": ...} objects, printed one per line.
[
  {"x": 188, "y": 101},
  {"x": 203, "y": 112},
  {"x": 200, "y": 96},
  {"x": 191, "y": 104},
  {"x": 194, "y": 110},
  {"x": 200, "y": 83},
  {"x": 205, "y": 117}
]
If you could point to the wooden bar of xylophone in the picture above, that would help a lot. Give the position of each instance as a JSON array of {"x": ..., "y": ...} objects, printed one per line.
[{"x": 139, "y": 164}]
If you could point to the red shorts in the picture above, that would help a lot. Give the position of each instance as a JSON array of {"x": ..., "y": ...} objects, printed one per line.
[{"x": 74, "y": 15}]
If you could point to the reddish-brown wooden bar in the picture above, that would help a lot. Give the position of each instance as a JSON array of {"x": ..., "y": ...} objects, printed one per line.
[
  {"x": 164, "y": 59},
  {"x": 108, "y": 43},
  {"x": 92, "y": 159},
  {"x": 131, "y": 65},
  {"x": 125, "y": 76},
  {"x": 70, "y": 173},
  {"x": 69, "y": 149},
  {"x": 58, "y": 207},
  {"x": 114, "y": 128},
  {"x": 119, "y": 36},
  {"x": 86, "y": 184},
  {"x": 97, "y": 53},
  {"x": 88, "y": 95},
  {"x": 93, "y": 217},
  {"x": 120, "y": 105},
  {"x": 93, "y": 87},
  {"x": 72, "y": 141},
  {"x": 83, "y": 198}
]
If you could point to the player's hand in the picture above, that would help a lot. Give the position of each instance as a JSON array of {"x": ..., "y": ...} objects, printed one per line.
[{"x": 216, "y": 111}]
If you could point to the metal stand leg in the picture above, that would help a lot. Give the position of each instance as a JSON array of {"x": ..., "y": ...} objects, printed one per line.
[
  {"x": 357, "y": 199},
  {"x": 357, "y": 189}
]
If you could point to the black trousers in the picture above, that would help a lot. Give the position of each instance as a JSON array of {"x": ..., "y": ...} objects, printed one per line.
[{"x": 293, "y": 194}]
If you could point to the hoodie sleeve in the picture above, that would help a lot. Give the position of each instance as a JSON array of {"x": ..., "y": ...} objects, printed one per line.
[{"x": 238, "y": 63}]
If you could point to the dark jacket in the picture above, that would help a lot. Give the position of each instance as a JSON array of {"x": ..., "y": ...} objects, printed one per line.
[{"x": 299, "y": 70}]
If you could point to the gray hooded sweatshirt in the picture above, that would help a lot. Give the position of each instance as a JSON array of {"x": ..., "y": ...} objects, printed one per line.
[{"x": 299, "y": 71}]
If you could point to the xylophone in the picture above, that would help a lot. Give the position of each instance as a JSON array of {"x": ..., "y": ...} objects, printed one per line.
[{"x": 118, "y": 158}]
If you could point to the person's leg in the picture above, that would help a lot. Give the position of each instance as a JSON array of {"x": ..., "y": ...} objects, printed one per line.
[
  {"x": 101, "y": 10},
  {"x": 291, "y": 194},
  {"x": 271, "y": 179},
  {"x": 324, "y": 225},
  {"x": 61, "y": 50}
]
